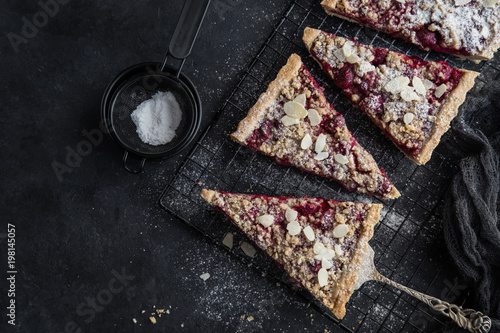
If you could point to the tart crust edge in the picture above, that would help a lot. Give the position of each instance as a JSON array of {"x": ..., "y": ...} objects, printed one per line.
[
  {"x": 345, "y": 285},
  {"x": 446, "y": 114},
  {"x": 248, "y": 124}
]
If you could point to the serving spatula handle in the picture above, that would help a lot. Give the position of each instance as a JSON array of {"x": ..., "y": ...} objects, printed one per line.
[{"x": 472, "y": 320}]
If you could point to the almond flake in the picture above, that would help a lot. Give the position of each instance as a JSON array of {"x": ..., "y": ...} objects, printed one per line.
[
  {"x": 228, "y": 240},
  {"x": 248, "y": 249},
  {"x": 339, "y": 54},
  {"x": 408, "y": 94},
  {"x": 347, "y": 48},
  {"x": 322, "y": 277},
  {"x": 306, "y": 142},
  {"x": 266, "y": 220},
  {"x": 327, "y": 254},
  {"x": 205, "y": 276},
  {"x": 408, "y": 118},
  {"x": 490, "y": 3},
  {"x": 338, "y": 250},
  {"x": 295, "y": 110},
  {"x": 461, "y": 2},
  {"x": 318, "y": 248},
  {"x": 314, "y": 117},
  {"x": 353, "y": 58},
  {"x": 341, "y": 159},
  {"x": 288, "y": 121},
  {"x": 309, "y": 233},
  {"x": 320, "y": 143},
  {"x": 397, "y": 84},
  {"x": 294, "y": 228},
  {"x": 418, "y": 85},
  {"x": 152, "y": 319},
  {"x": 428, "y": 84},
  {"x": 440, "y": 90},
  {"x": 326, "y": 264},
  {"x": 340, "y": 231},
  {"x": 321, "y": 156},
  {"x": 290, "y": 214},
  {"x": 301, "y": 99}
]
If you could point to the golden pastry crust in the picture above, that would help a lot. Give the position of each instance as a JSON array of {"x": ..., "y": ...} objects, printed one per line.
[
  {"x": 258, "y": 111},
  {"x": 475, "y": 42},
  {"x": 295, "y": 252},
  {"x": 448, "y": 111},
  {"x": 394, "y": 107}
]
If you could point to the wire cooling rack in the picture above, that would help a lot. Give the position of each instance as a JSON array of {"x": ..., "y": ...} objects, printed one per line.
[{"x": 408, "y": 240}]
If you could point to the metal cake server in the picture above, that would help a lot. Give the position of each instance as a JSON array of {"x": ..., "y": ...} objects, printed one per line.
[{"x": 472, "y": 320}]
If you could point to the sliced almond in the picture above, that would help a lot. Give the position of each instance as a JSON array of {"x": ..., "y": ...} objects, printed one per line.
[
  {"x": 301, "y": 99},
  {"x": 428, "y": 84},
  {"x": 314, "y": 117},
  {"x": 418, "y": 85},
  {"x": 306, "y": 142},
  {"x": 440, "y": 90},
  {"x": 327, "y": 254},
  {"x": 322, "y": 277},
  {"x": 408, "y": 118},
  {"x": 266, "y": 220},
  {"x": 339, "y": 54},
  {"x": 318, "y": 248},
  {"x": 353, "y": 59},
  {"x": 309, "y": 233},
  {"x": 397, "y": 84},
  {"x": 408, "y": 94},
  {"x": 340, "y": 231},
  {"x": 341, "y": 159},
  {"x": 290, "y": 214},
  {"x": 295, "y": 110},
  {"x": 248, "y": 249},
  {"x": 490, "y": 3},
  {"x": 289, "y": 121},
  {"x": 228, "y": 240},
  {"x": 347, "y": 48},
  {"x": 320, "y": 143},
  {"x": 326, "y": 264},
  {"x": 293, "y": 228},
  {"x": 321, "y": 156},
  {"x": 338, "y": 250}
]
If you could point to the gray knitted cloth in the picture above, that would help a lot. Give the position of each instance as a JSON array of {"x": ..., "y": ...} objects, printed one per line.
[{"x": 471, "y": 226}]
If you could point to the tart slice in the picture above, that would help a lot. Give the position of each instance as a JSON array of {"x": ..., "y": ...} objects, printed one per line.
[
  {"x": 320, "y": 243},
  {"x": 294, "y": 124},
  {"x": 413, "y": 101},
  {"x": 467, "y": 28}
]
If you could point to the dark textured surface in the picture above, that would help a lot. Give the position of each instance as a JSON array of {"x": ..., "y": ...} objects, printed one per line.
[{"x": 72, "y": 234}]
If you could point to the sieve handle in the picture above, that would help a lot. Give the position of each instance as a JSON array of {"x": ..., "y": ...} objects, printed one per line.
[
  {"x": 187, "y": 28},
  {"x": 128, "y": 168}
]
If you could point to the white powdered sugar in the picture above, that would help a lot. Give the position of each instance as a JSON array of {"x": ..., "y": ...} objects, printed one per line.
[
  {"x": 157, "y": 118},
  {"x": 469, "y": 26}
]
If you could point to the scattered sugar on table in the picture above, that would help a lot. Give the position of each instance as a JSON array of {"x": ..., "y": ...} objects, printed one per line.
[{"x": 157, "y": 118}]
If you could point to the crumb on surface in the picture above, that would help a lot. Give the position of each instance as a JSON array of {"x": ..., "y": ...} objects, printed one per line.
[
  {"x": 250, "y": 318},
  {"x": 134, "y": 320},
  {"x": 152, "y": 319}
]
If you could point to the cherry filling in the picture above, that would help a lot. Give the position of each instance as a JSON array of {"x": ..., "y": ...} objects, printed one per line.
[{"x": 371, "y": 102}]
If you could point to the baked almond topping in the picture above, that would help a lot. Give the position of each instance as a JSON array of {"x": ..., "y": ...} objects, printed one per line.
[
  {"x": 340, "y": 231},
  {"x": 295, "y": 110},
  {"x": 306, "y": 142},
  {"x": 266, "y": 220},
  {"x": 309, "y": 233},
  {"x": 314, "y": 117},
  {"x": 320, "y": 143},
  {"x": 290, "y": 214},
  {"x": 301, "y": 99},
  {"x": 322, "y": 277},
  {"x": 289, "y": 121},
  {"x": 341, "y": 159},
  {"x": 293, "y": 228}
]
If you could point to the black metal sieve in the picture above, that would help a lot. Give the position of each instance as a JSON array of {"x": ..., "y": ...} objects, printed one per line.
[{"x": 140, "y": 82}]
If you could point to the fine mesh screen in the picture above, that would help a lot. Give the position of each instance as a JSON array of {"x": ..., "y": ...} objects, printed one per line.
[
  {"x": 408, "y": 243},
  {"x": 137, "y": 90}
]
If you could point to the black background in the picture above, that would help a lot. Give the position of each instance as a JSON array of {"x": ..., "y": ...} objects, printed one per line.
[{"x": 76, "y": 232}]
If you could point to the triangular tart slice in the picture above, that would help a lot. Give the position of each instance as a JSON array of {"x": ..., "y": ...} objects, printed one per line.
[
  {"x": 320, "y": 243},
  {"x": 294, "y": 124},
  {"x": 413, "y": 101}
]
